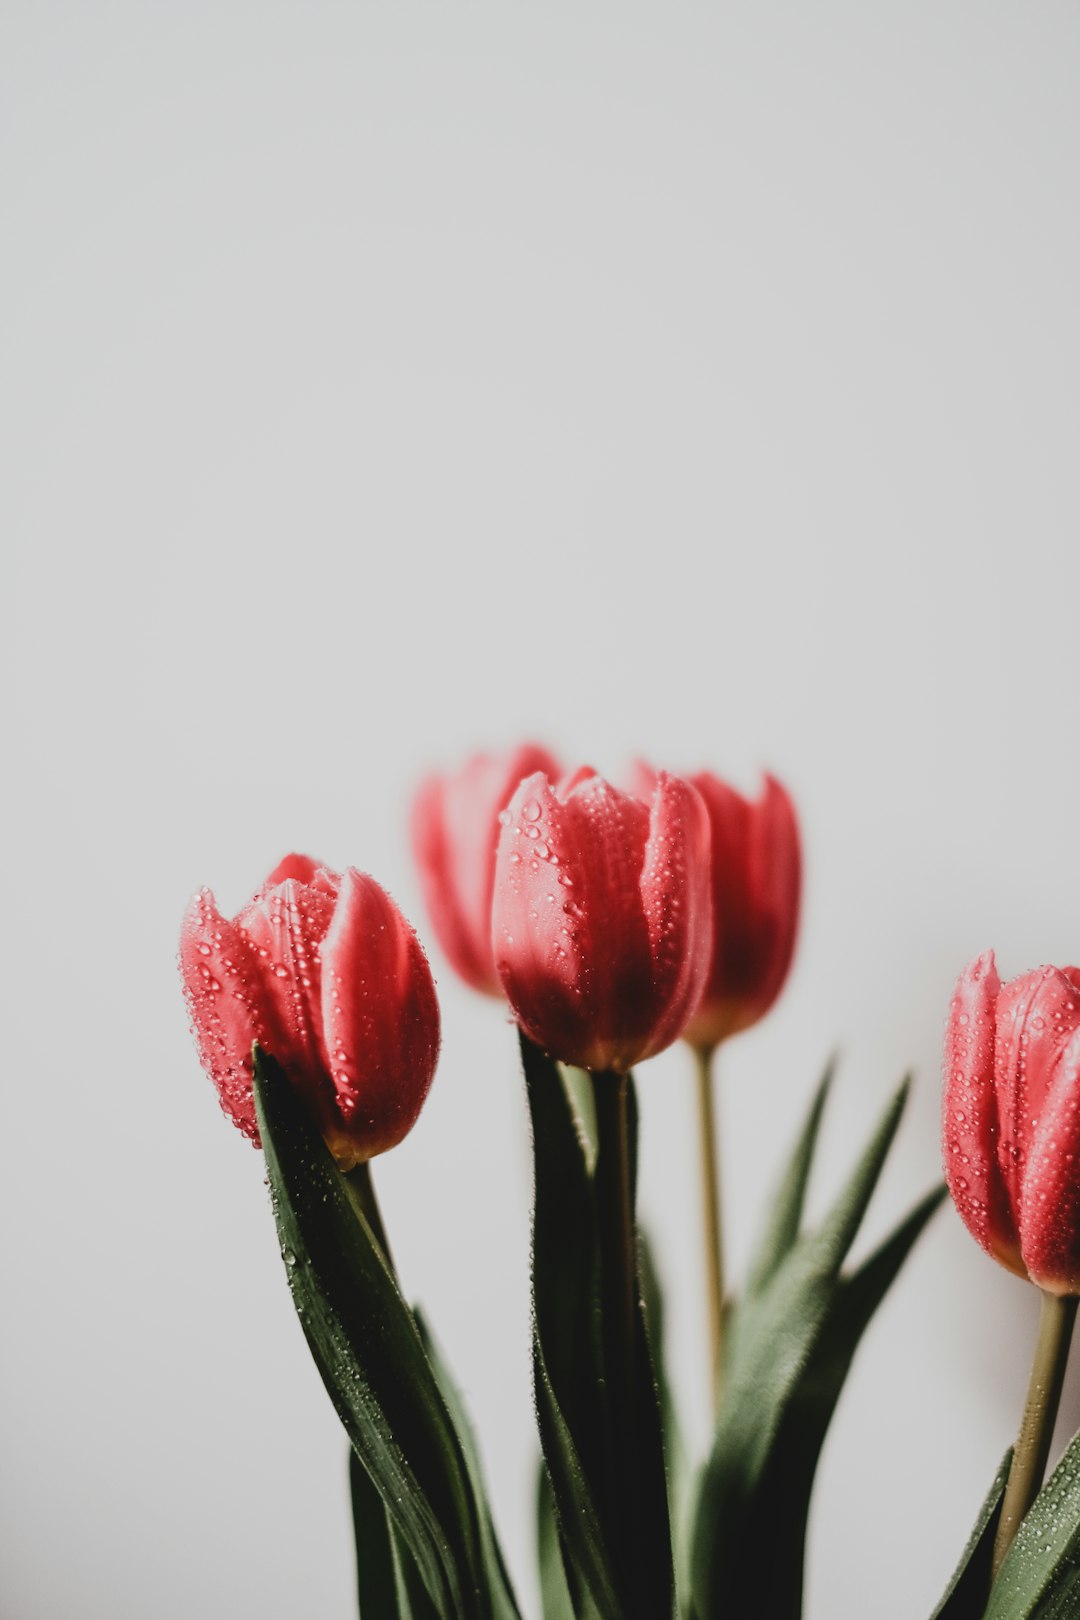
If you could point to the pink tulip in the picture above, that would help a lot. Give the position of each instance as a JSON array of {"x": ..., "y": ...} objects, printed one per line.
[
  {"x": 756, "y": 869},
  {"x": 1012, "y": 1118},
  {"x": 602, "y": 918},
  {"x": 328, "y": 977},
  {"x": 455, "y": 828}
]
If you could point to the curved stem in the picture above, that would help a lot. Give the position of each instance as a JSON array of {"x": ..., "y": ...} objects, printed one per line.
[
  {"x": 1037, "y": 1423},
  {"x": 711, "y": 1215}
]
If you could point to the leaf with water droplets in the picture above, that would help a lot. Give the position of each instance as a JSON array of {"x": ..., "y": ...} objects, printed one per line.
[
  {"x": 498, "y": 1583},
  {"x": 366, "y": 1346},
  {"x": 1039, "y": 1577},
  {"x": 965, "y": 1595},
  {"x": 790, "y": 1348},
  {"x": 612, "y": 1521}
]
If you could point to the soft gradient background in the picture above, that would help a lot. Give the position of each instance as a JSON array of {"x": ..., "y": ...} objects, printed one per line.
[{"x": 386, "y": 380}]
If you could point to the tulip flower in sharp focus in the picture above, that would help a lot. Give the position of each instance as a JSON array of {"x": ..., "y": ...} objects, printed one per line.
[
  {"x": 756, "y": 872},
  {"x": 455, "y": 829},
  {"x": 327, "y": 976},
  {"x": 1012, "y": 1118},
  {"x": 602, "y": 917}
]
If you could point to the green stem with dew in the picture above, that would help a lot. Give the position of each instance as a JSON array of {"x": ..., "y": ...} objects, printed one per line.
[{"x": 1037, "y": 1424}]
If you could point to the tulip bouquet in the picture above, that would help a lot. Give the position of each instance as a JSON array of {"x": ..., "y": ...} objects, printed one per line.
[{"x": 613, "y": 923}]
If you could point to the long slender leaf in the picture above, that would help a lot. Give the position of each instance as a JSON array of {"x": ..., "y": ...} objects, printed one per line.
[
  {"x": 596, "y": 1396},
  {"x": 1063, "y": 1603},
  {"x": 676, "y": 1459},
  {"x": 635, "y": 1499},
  {"x": 554, "y": 1589},
  {"x": 592, "y": 1569},
  {"x": 785, "y": 1218},
  {"x": 376, "y": 1585},
  {"x": 792, "y": 1348},
  {"x": 965, "y": 1595},
  {"x": 499, "y": 1586},
  {"x": 1040, "y": 1568},
  {"x": 366, "y": 1346}
]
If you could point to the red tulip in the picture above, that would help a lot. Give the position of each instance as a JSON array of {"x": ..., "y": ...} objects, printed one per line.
[
  {"x": 601, "y": 918},
  {"x": 326, "y": 974},
  {"x": 756, "y": 869},
  {"x": 455, "y": 828},
  {"x": 1012, "y": 1118}
]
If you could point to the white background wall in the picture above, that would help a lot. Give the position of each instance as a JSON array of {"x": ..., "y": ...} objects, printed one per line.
[{"x": 386, "y": 380}]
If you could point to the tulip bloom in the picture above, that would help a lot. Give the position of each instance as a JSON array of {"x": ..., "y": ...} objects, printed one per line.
[
  {"x": 455, "y": 829},
  {"x": 327, "y": 976},
  {"x": 1012, "y": 1118},
  {"x": 601, "y": 917},
  {"x": 756, "y": 870}
]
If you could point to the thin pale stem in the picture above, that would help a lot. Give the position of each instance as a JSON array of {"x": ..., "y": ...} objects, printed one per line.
[
  {"x": 359, "y": 1179},
  {"x": 1037, "y": 1424},
  {"x": 711, "y": 1215}
]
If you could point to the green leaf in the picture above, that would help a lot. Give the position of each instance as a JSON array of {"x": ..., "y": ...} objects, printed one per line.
[
  {"x": 1039, "y": 1573},
  {"x": 635, "y": 1501},
  {"x": 376, "y": 1584},
  {"x": 675, "y": 1454},
  {"x": 596, "y": 1396},
  {"x": 591, "y": 1569},
  {"x": 1063, "y": 1603},
  {"x": 554, "y": 1590},
  {"x": 785, "y": 1218},
  {"x": 497, "y": 1577},
  {"x": 965, "y": 1595},
  {"x": 791, "y": 1350},
  {"x": 364, "y": 1341}
]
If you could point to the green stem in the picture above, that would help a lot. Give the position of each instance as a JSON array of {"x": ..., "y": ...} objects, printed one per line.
[
  {"x": 363, "y": 1192},
  {"x": 619, "y": 1270},
  {"x": 615, "y": 1201},
  {"x": 1037, "y": 1424},
  {"x": 711, "y": 1215}
]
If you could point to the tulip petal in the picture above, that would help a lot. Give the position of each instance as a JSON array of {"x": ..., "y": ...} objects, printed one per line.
[
  {"x": 228, "y": 1010},
  {"x": 600, "y": 916},
  {"x": 1050, "y": 1231},
  {"x": 304, "y": 870},
  {"x": 381, "y": 1021},
  {"x": 970, "y": 1116},
  {"x": 455, "y": 831},
  {"x": 677, "y": 903},
  {"x": 776, "y": 877},
  {"x": 286, "y": 928},
  {"x": 568, "y": 932}
]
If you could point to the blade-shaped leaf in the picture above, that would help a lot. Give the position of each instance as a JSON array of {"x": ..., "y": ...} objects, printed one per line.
[
  {"x": 596, "y": 1397},
  {"x": 580, "y": 1532},
  {"x": 785, "y": 1217},
  {"x": 366, "y": 1346},
  {"x": 675, "y": 1455},
  {"x": 635, "y": 1499},
  {"x": 1041, "y": 1565},
  {"x": 499, "y": 1586},
  {"x": 791, "y": 1350},
  {"x": 376, "y": 1584},
  {"x": 1063, "y": 1603},
  {"x": 965, "y": 1595},
  {"x": 554, "y": 1590}
]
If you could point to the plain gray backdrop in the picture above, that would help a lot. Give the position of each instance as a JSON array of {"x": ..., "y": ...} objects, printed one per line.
[{"x": 386, "y": 380}]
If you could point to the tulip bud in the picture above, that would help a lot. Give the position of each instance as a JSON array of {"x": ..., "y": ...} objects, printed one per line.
[
  {"x": 1012, "y": 1118},
  {"x": 455, "y": 828},
  {"x": 601, "y": 917},
  {"x": 328, "y": 977},
  {"x": 756, "y": 868}
]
